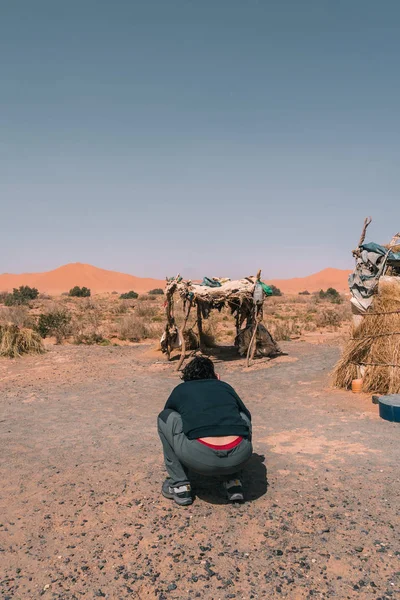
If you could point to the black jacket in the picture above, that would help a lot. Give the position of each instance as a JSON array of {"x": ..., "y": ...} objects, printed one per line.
[{"x": 209, "y": 408}]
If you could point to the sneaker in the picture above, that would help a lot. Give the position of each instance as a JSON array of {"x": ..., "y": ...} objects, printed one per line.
[
  {"x": 234, "y": 490},
  {"x": 181, "y": 494}
]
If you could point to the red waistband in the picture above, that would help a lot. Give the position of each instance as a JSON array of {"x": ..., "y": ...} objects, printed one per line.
[{"x": 225, "y": 446}]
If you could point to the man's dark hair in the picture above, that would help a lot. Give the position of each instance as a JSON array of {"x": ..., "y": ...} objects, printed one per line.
[{"x": 200, "y": 367}]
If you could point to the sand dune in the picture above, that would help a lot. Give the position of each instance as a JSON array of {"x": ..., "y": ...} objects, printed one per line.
[
  {"x": 100, "y": 280},
  {"x": 64, "y": 278},
  {"x": 336, "y": 278}
]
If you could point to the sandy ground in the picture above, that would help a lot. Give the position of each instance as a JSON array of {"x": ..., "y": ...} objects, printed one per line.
[{"x": 81, "y": 469}]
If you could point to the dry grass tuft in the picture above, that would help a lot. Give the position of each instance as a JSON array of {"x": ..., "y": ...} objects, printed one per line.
[
  {"x": 135, "y": 329},
  {"x": 147, "y": 310},
  {"x": 16, "y": 315},
  {"x": 282, "y": 330},
  {"x": 376, "y": 345},
  {"x": 15, "y": 342}
]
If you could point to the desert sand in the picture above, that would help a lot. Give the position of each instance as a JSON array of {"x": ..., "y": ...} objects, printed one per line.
[
  {"x": 66, "y": 277},
  {"x": 100, "y": 281},
  {"x": 81, "y": 470}
]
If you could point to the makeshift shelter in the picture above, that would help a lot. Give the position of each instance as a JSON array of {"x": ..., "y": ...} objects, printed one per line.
[
  {"x": 244, "y": 298},
  {"x": 373, "y": 351}
]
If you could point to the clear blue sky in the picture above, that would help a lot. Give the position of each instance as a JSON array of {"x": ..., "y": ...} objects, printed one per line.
[{"x": 201, "y": 136}]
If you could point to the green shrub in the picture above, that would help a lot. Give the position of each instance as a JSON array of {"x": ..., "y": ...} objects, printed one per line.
[
  {"x": 331, "y": 295},
  {"x": 129, "y": 295},
  {"x": 54, "y": 323},
  {"x": 275, "y": 291},
  {"x": 21, "y": 295},
  {"x": 78, "y": 292},
  {"x": 157, "y": 292}
]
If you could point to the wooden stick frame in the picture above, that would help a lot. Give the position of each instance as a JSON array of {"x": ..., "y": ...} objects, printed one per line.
[{"x": 172, "y": 331}]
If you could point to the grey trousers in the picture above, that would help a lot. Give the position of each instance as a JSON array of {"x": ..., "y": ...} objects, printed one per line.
[{"x": 181, "y": 454}]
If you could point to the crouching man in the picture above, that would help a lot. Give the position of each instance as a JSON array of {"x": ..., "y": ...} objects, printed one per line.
[{"x": 204, "y": 427}]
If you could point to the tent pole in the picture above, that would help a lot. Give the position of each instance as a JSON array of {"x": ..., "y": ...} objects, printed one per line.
[
  {"x": 183, "y": 347},
  {"x": 200, "y": 326}
]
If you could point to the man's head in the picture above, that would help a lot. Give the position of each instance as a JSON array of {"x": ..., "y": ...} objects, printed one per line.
[{"x": 200, "y": 367}]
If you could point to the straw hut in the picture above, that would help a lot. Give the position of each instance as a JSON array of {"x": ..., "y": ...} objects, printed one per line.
[
  {"x": 373, "y": 351},
  {"x": 244, "y": 298}
]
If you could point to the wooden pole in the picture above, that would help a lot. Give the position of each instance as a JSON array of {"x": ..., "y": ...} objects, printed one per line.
[
  {"x": 170, "y": 318},
  {"x": 200, "y": 326},
  {"x": 259, "y": 319},
  {"x": 183, "y": 347},
  {"x": 253, "y": 340},
  {"x": 367, "y": 221},
  {"x": 258, "y": 311}
]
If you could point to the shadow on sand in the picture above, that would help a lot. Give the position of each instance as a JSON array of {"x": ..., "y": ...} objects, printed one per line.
[
  {"x": 254, "y": 479},
  {"x": 220, "y": 354}
]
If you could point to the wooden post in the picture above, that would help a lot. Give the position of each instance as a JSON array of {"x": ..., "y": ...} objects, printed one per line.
[
  {"x": 200, "y": 326},
  {"x": 367, "y": 221},
  {"x": 253, "y": 341},
  {"x": 258, "y": 312},
  {"x": 258, "y": 321},
  {"x": 183, "y": 347},
  {"x": 238, "y": 321},
  {"x": 170, "y": 319}
]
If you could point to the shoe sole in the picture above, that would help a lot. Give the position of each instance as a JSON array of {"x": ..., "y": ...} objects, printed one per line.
[
  {"x": 180, "y": 501},
  {"x": 236, "y": 498}
]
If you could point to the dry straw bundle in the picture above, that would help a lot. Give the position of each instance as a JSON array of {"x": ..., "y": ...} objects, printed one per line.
[
  {"x": 15, "y": 341},
  {"x": 375, "y": 346}
]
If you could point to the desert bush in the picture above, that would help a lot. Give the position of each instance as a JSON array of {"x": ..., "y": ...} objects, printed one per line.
[
  {"x": 90, "y": 304},
  {"x": 21, "y": 295},
  {"x": 87, "y": 324},
  {"x": 15, "y": 341},
  {"x": 91, "y": 339},
  {"x": 16, "y": 315},
  {"x": 331, "y": 295},
  {"x": 146, "y": 310},
  {"x": 305, "y": 293},
  {"x": 79, "y": 292},
  {"x": 121, "y": 308},
  {"x": 329, "y": 317},
  {"x": 284, "y": 330},
  {"x": 133, "y": 329},
  {"x": 157, "y": 292},
  {"x": 88, "y": 320},
  {"x": 275, "y": 291},
  {"x": 129, "y": 295},
  {"x": 54, "y": 323}
]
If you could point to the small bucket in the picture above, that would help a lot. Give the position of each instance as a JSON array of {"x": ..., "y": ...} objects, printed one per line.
[{"x": 356, "y": 386}]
